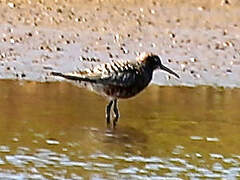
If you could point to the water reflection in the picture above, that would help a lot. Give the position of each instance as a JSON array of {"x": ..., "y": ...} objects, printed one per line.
[{"x": 57, "y": 131}]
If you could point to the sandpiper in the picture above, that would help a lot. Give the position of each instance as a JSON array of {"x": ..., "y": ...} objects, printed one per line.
[{"x": 118, "y": 79}]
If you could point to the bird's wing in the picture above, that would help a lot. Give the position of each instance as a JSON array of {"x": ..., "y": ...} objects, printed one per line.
[
  {"x": 120, "y": 73},
  {"x": 124, "y": 78}
]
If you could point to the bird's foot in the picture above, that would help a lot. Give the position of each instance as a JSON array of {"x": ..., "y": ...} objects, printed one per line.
[{"x": 115, "y": 123}]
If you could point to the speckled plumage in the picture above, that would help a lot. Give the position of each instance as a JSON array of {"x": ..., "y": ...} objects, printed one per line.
[{"x": 118, "y": 79}]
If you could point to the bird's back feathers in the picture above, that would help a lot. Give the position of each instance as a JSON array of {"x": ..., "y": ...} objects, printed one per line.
[{"x": 121, "y": 73}]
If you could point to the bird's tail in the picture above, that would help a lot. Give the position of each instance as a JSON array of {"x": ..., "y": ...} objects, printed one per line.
[{"x": 73, "y": 77}]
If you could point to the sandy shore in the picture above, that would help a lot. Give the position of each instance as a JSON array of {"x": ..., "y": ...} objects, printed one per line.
[{"x": 200, "y": 40}]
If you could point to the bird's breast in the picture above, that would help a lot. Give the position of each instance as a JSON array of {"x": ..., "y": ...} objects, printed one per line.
[{"x": 141, "y": 81}]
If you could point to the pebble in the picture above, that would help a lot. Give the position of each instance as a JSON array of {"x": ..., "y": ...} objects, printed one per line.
[{"x": 11, "y": 5}]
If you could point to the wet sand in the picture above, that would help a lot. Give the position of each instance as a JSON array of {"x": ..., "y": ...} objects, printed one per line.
[{"x": 198, "y": 39}]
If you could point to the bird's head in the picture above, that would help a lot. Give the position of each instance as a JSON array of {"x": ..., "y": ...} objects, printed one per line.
[{"x": 154, "y": 62}]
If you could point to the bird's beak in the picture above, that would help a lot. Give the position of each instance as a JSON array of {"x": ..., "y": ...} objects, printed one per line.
[{"x": 164, "y": 68}]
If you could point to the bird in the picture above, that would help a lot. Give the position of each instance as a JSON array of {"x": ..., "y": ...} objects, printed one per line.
[{"x": 119, "y": 79}]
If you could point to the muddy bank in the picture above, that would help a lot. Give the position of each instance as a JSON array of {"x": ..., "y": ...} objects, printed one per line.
[{"x": 198, "y": 39}]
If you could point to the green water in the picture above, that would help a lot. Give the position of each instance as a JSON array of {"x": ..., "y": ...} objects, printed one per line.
[{"x": 58, "y": 131}]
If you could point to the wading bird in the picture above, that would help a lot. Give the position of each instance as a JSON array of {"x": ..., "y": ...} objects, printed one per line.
[{"x": 118, "y": 79}]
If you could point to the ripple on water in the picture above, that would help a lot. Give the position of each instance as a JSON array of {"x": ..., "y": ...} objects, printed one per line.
[
  {"x": 104, "y": 165},
  {"x": 152, "y": 159},
  {"x": 217, "y": 167},
  {"x": 212, "y": 139},
  {"x": 15, "y": 161},
  {"x": 1, "y": 162},
  {"x": 22, "y": 150},
  {"x": 4, "y": 149},
  {"x": 154, "y": 167},
  {"x": 100, "y": 155},
  {"x": 74, "y": 163},
  {"x": 52, "y": 142},
  {"x": 136, "y": 167},
  {"x": 20, "y": 176},
  {"x": 216, "y": 156},
  {"x": 129, "y": 170},
  {"x": 208, "y": 139},
  {"x": 196, "y": 138},
  {"x": 231, "y": 161}
]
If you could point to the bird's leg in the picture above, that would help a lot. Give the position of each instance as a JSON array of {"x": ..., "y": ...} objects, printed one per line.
[
  {"x": 108, "y": 112},
  {"x": 116, "y": 112}
]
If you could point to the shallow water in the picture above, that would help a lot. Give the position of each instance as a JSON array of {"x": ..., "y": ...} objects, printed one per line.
[{"x": 57, "y": 131}]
